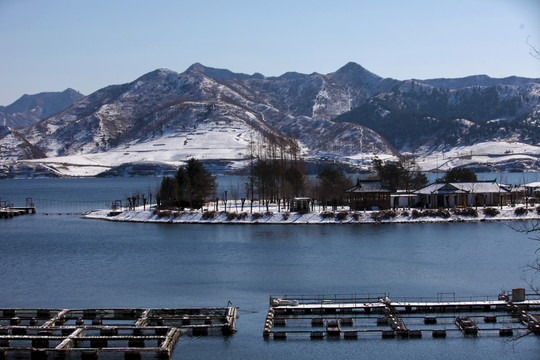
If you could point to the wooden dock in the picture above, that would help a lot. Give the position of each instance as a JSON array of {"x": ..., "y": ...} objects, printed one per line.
[
  {"x": 8, "y": 213},
  {"x": 351, "y": 316},
  {"x": 8, "y": 210},
  {"x": 92, "y": 333}
]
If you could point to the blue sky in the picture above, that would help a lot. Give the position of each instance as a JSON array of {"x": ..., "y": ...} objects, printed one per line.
[{"x": 55, "y": 44}]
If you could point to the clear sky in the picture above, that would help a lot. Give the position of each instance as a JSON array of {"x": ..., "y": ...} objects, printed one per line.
[{"x": 50, "y": 45}]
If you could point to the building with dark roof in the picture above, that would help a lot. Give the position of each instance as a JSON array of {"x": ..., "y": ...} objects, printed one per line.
[{"x": 369, "y": 195}]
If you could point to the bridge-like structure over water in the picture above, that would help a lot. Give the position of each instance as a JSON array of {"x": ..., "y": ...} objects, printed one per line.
[{"x": 369, "y": 315}]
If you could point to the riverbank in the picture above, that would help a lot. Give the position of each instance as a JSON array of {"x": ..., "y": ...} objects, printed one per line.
[{"x": 324, "y": 217}]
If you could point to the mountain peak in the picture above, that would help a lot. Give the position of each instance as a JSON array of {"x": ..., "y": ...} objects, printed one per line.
[
  {"x": 355, "y": 72},
  {"x": 290, "y": 75},
  {"x": 197, "y": 67},
  {"x": 72, "y": 92},
  {"x": 220, "y": 74},
  {"x": 478, "y": 80},
  {"x": 29, "y": 109},
  {"x": 352, "y": 66},
  {"x": 161, "y": 72}
]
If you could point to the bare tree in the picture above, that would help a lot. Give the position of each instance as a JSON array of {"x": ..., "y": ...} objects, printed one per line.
[
  {"x": 533, "y": 50},
  {"x": 532, "y": 230}
]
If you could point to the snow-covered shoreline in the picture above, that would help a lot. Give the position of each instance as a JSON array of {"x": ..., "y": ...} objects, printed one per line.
[{"x": 291, "y": 218}]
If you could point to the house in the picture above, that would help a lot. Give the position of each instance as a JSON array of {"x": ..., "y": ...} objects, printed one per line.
[
  {"x": 463, "y": 194},
  {"x": 300, "y": 204},
  {"x": 532, "y": 189},
  {"x": 518, "y": 195},
  {"x": 404, "y": 199},
  {"x": 369, "y": 195},
  {"x": 529, "y": 193}
]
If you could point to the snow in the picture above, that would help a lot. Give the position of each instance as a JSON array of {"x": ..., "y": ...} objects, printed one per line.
[
  {"x": 224, "y": 133},
  {"x": 283, "y": 217},
  {"x": 490, "y": 152},
  {"x": 228, "y": 141},
  {"x": 465, "y": 122},
  {"x": 8, "y": 148},
  {"x": 207, "y": 142},
  {"x": 478, "y": 187}
]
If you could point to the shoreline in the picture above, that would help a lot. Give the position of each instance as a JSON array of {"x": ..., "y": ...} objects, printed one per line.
[{"x": 343, "y": 217}]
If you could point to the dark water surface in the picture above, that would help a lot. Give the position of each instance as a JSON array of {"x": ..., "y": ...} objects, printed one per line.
[{"x": 62, "y": 261}]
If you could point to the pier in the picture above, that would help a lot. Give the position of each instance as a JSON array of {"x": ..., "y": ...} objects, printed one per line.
[
  {"x": 92, "y": 333},
  {"x": 8, "y": 210},
  {"x": 379, "y": 316}
]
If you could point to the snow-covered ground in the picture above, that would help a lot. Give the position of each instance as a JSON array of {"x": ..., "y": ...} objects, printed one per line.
[
  {"x": 261, "y": 216},
  {"x": 217, "y": 143},
  {"x": 487, "y": 153},
  {"x": 230, "y": 144}
]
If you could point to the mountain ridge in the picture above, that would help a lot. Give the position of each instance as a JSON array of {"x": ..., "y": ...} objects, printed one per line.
[
  {"x": 327, "y": 116},
  {"x": 30, "y": 109}
]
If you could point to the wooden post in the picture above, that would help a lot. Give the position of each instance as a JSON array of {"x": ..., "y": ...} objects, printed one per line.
[
  {"x": 69, "y": 343},
  {"x": 143, "y": 320}
]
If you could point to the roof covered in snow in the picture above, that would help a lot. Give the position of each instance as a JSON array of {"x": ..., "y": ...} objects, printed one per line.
[{"x": 473, "y": 187}]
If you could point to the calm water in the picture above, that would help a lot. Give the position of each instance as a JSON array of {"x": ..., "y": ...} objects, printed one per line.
[{"x": 64, "y": 261}]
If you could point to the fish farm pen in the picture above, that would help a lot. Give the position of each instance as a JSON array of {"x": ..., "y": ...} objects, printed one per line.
[
  {"x": 379, "y": 316},
  {"x": 92, "y": 333}
]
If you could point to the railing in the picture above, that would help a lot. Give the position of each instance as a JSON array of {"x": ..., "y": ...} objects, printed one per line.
[
  {"x": 70, "y": 206},
  {"x": 443, "y": 299},
  {"x": 532, "y": 296},
  {"x": 332, "y": 298}
]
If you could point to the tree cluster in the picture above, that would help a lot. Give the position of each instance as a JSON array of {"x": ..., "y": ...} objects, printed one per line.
[
  {"x": 332, "y": 186},
  {"x": 191, "y": 185},
  {"x": 402, "y": 175},
  {"x": 458, "y": 175},
  {"x": 276, "y": 172}
]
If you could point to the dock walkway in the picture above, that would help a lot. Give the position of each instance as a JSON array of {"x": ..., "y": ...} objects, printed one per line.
[
  {"x": 352, "y": 316},
  {"x": 8, "y": 210},
  {"x": 134, "y": 333}
]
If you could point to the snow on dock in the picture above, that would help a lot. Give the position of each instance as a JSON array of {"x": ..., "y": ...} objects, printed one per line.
[
  {"x": 369, "y": 315},
  {"x": 8, "y": 210},
  {"x": 92, "y": 333}
]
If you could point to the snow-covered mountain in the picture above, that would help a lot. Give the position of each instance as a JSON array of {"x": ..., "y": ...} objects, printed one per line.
[
  {"x": 16, "y": 147},
  {"x": 30, "y": 109},
  {"x": 465, "y": 116},
  {"x": 211, "y": 114},
  {"x": 163, "y": 118}
]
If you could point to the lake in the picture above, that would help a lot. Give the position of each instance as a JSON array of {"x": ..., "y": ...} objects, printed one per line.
[{"x": 62, "y": 261}]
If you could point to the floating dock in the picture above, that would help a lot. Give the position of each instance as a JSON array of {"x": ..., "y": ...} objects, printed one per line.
[
  {"x": 378, "y": 316},
  {"x": 7, "y": 210},
  {"x": 93, "y": 333}
]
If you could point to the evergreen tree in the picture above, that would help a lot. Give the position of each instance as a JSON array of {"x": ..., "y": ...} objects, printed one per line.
[
  {"x": 404, "y": 175},
  {"x": 184, "y": 187},
  {"x": 190, "y": 186},
  {"x": 332, "y": 186},
  {"x": 198, "y": 183},
  {"x": 458, "y": 175},
  {"x": 168, "y": 192},
  {"x": 294, "y": 180},
  {"x": 390, "y": 173}
]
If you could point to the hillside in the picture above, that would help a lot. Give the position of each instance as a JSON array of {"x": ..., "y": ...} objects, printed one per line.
[
  {"x": 349, "y": 116},
  {"x": 416, "y": 116},
  {"x": 30, "y": 109}
]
